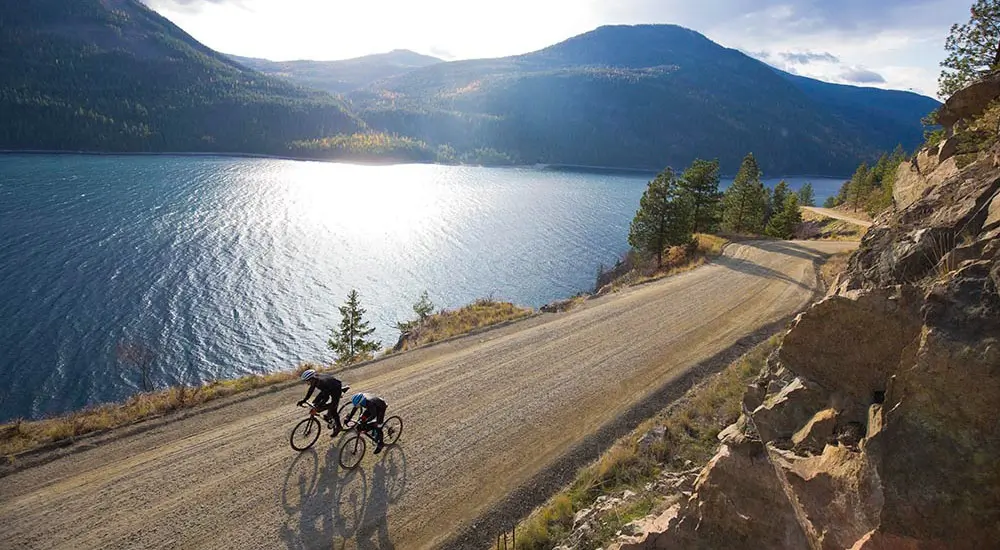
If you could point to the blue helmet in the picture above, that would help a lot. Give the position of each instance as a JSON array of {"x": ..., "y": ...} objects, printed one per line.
[
  {"x": 359, "y": 400},
  {"x": 309, "y": 374}
]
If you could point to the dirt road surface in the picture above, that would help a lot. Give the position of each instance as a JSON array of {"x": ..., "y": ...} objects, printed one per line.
[
  {"x": 484, "y": 414},
  {"x": 838, "y": 215}
]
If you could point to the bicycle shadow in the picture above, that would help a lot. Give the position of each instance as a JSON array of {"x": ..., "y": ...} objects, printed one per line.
[
  {"x": 325, "y": 504},
  {"x": 388, "y": 484},
  {"x": 329, "y": 507}
]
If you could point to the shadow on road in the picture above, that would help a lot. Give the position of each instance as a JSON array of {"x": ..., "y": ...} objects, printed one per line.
[
  {"x": 329, "y": 507},
  {"x": 751, "y": 268}
]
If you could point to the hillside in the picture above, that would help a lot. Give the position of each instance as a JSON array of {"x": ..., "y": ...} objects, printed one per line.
[
  {"x": 338, "y": 77},
  {"x": 112, "y": 75},
  {"x": 643, "y": 96}
]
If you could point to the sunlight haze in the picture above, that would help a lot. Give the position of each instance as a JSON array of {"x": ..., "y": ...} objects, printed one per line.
[{"x": 889, "y": 44}]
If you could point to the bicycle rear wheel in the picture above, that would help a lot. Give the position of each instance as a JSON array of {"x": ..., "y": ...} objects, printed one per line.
[
  {"x": 352, "y": 450},
  {"x": 305, "y": 434},
  {"x": 392, "y": 428}
]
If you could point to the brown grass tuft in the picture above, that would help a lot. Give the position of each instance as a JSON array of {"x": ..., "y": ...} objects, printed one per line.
[{"x": 482, "y": 313}]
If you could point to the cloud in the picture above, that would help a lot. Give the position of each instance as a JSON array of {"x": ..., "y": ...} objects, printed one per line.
[
  {"x": 189, "y": 6},
  {"x": 860, "y": 75},
  {"x": 805, "y": 58}
]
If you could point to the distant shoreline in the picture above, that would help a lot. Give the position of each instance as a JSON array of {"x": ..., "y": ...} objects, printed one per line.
[{"x": 554, "y": 167}]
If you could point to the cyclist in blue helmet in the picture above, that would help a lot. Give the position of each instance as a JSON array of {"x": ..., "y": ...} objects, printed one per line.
[
  {"x": 330, "y": 390},
  {"x": 372, "y": 415}
]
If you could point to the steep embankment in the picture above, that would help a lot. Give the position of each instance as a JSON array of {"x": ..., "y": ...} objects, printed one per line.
[
  {"x": 874, "y": 426},
  {"x": 519, "y": 406}
]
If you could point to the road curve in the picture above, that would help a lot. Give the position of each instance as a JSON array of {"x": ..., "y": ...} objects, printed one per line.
[
  {"x": 838, "y": 215},
  {"x": 483, "y": 415}
]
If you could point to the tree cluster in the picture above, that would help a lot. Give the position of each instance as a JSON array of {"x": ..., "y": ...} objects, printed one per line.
[
  {"x": 673, "y": 208},
  {"x": 870, "y": 188}
]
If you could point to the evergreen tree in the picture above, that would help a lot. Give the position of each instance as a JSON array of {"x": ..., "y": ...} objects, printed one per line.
[
  {"x": 423, "y": 307},
  {"x": 350, "y": 344},
  {"x": 786, "y": 220},
  {"x": 699, "y": 185},
  {"x": 860, "y": 186},
  {"x": 777, "y": 198},
  {"x": 806, "y": 195},
  {"x": 662, "y": 218},
  {"x": 745, "y": 201},
  {"x": 973, "y": 48}
]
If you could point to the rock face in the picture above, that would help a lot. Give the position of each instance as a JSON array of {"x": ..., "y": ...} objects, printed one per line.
[{"x": 876, "y": 425}]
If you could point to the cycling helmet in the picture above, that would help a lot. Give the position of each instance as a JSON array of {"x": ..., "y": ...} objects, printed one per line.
[
  {"x": 308, "y": 375},
  {"x": 359, "y": 400}
]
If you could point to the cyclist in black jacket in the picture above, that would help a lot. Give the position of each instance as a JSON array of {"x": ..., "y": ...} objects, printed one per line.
[
  {"x": 372, "y": 415},
  {"x": 330, "y": 390}
]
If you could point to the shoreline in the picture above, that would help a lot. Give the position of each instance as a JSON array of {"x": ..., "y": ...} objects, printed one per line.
[{"x": 554, "y": 167}]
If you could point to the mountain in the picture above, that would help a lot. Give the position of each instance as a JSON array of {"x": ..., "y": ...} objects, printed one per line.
[
  {"x": 338, "y": 77},
  {"x": 643, "y": 96},
  {"x": 112, "y": 75}
]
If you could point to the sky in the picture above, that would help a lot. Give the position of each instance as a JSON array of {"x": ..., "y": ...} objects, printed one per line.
[{"x": 895, "y": 44}]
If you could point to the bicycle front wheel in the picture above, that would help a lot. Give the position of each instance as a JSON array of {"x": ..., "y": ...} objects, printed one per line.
[
  {"x": 391, "y": 430},
  {"x": 305, "y": 434},
  {"x": 352, "y": 450}
]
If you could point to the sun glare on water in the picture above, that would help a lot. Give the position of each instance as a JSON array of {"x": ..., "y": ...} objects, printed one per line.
[{"x": 389, "y": 203}]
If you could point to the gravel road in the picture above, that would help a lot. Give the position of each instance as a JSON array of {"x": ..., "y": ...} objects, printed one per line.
[
  {"x": 838, "y": 215},
  {"x": 484, "y": 415}
]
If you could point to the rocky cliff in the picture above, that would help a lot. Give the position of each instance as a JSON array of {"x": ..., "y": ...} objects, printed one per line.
[{"x": 876, "y": 425}]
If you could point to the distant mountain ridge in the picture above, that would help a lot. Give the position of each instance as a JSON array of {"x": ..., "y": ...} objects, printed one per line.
[
  {"x": 341, "y": 76},
  {"x": 113, "y": 75},
  {"x": 644, "y": 96}
]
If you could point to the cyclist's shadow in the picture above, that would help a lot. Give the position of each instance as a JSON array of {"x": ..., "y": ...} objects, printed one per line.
[
  {"x": 327, "y": 501},
  {"x": 388, "y": 483}
]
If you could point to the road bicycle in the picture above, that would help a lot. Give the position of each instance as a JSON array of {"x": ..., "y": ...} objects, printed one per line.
[
  {"x": 352, "y": 449},
  {"x": 307, "y": 431}
]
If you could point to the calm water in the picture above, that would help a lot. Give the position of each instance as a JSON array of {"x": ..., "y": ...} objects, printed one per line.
[{"x": 226, "y": 266}]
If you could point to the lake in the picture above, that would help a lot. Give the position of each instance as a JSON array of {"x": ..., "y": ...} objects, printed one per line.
[{"x": 231, "y": 266}]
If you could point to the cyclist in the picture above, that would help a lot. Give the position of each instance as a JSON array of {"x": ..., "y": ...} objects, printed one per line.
[
  {"x": 330, "y": 390},
  {"x": 372, "y": 415}
]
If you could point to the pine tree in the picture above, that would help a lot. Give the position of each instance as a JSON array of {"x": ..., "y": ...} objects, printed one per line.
[
  {"x": 860, "y": 186},
  {"x": 699, "y": 185},
  {"x": 777, "y": 198},
  {"x": 350, "y": 344},
  {"x": 745, "y": 201},
  {"x": 423, "y": 307},
  {"x": 662, "y": 218},
  {"x": 973, "y": 48},
  {"x": 806, "y": 195},
  {"x": 786, "y": 220}
]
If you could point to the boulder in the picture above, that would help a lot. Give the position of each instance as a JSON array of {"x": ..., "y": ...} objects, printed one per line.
[
  {"x": 738, "y": 503},
  {"x": 969, "y": 102},
  {"x": 851, "y": 345},
  {"x": 836, "y": 496},
  {"x": 993, "y": 214},
  {"x": 784, "y": 413},
  {"x": 817, "y": 433}
]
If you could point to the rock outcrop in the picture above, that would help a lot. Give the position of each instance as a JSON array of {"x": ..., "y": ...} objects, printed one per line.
[{"x": 876, "y": 425}]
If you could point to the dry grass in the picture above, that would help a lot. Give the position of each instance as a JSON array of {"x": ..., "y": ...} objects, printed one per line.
[
  {"x": 833, "y": 267},
  {"x": 819, "y": 227},
  {"x": 632, "y": 271},
  {"x": 691, "y": 425},
  {"x": 20, "y": 436},
  {"x": 482, "y": 313}
]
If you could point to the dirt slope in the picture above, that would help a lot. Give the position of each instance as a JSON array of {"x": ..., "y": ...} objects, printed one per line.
[{"x": 483, "y": 415}]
